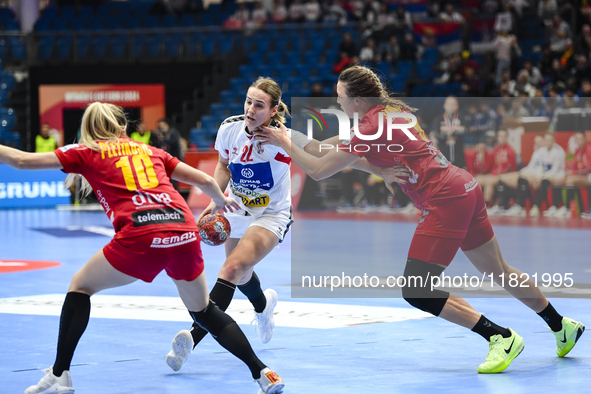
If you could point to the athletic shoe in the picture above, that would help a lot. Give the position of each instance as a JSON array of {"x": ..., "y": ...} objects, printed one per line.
[
  {"x": 270, "y": 382},
  {"x": 550, "y": 212},
  {"x": 501, "y": 352},
  {"x": 495, "y": 211},
  {"x": 516, "y": 211},
  {"x": 52, "y": 384},
  {"x": 265, "y": 320},
  {"x": 562, "y": 212},
  {"x": 568, "y": 336},
  {"x": 586, "y": 215},
  {"x": 534, "y": 211},
  {"x": 182, "y": 346}
]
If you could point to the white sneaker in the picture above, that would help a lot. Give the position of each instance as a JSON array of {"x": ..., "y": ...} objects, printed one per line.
[
  {"x": 270, "y": 382},
  {"x": 51, "y": 384},
  {"x": 550, "y": 212},
  {"x": 182, "y": 346},
  {"x": 516, "y": 211},
  {"x": 495, "y": 210},
  {"x": 534, "y": 211},
  {"x": 562, "y": 212},
  {"x": 265, "y": 320}
]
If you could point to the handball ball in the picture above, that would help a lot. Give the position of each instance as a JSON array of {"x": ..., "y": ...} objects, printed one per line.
[{"x": 214, "y": 229}]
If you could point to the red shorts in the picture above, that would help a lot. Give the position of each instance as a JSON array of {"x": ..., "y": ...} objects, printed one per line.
[
  {"x": 454, "y": 218},
  {"x": 144, "y": 257}
]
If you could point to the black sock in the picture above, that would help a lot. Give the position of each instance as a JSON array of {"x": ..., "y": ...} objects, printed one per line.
[
  {"x": 543, "y": 192},
  {"x": 73, "y": 322},
  {"x": 222, "y": 294},
  {"x": 570, "y": 195},
  {"x": 553, "y": 318},
  {"x": 225, "y": 330},
  {"x": 556, "y": 196},
  {"x": 503, "y": 193},
  {"x": 523, "y": 192},
  {"x": 487, "y": 329},
  {"x": 252, "y": 289}
]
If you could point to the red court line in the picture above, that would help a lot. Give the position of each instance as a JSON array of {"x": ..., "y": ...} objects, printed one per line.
[{"x": 396, "y": 217}]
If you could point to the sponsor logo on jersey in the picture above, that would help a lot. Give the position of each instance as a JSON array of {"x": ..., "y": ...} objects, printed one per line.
[
  {"x": 471, "y": 185},
  {"x": 176, "y": 240},
  {"x": 68, "y": 147},
  {"x": 157, "y": 216},
  {"x": 252, "y": 176},
  {"x": 261, "y": 201}
]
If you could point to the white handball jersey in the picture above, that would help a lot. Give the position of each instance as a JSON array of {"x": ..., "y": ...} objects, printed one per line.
[
  {"x": 260, "y": 179},
  {"x": 547, "y": 163}
]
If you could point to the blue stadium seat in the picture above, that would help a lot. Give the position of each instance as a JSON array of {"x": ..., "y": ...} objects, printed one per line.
[
  {"x": 247, "y": 71},
  {"x": 237, "y": 108},
  {"x": 46, "y": 47},
  {"x": 64, "y": 47},
  {"x": 138, "y": 44},
  {"x": 263, "y": 44},
  {"x": 154, "y": 44},
  {"x": 188, "y": 20},
  {"x": 218, "y": 110},
  {"x": 17, "y": 48},
  {"x": 383, "y": 68},
  {"x": 227, "y": 97},
  {"x": 265, "y": 70},
  {"x": 226, "y": 45},
  {"x": 174, "y": 44},
  {"x": 239, "y": 84},
  {"x": 99, "y": 46},
  {"x": 68, "y": 12},
  {"x": 85, "y": 12},
  {"x": 207, "y": 46},
  {"x": 293, "y": 57},
  {"x": 304, "y": 70},
  {"x": 118, "y": 44},
  {"x": 209, "y": 121},
  {"x": 170, "y": 21}
]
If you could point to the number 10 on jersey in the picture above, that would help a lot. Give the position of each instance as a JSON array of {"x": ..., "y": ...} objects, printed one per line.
[{"x": 144, "y": 171}]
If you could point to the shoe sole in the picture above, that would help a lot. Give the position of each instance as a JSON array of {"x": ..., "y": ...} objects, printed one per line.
[
  {"x": 572, "y": 339},
  {"x": 55, "y": 390},
  {"x": 182, "y": 345},
  {"x": 514, "y": 353},
  {"x": 269, "y": 310},
  {"x": 277, "y": 389}
]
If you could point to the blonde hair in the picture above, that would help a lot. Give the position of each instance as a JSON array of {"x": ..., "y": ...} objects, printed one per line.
[
  {"x": 271, "y": 87},
  {"x": 100, "y": 122},
  {"x": 362, "y": 82}
]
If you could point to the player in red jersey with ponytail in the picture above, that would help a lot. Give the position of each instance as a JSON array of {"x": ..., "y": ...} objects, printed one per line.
[{"x": 453, "y": 214}]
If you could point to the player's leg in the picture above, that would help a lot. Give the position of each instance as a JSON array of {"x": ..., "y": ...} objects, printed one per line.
[
  {"x": 225, "y": 331},
  {"x": 487, "y": 258},
  {"x": 96, "y": 275}
]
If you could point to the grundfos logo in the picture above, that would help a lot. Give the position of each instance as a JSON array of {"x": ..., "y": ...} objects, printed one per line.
[{"x": 346, "y": 133}]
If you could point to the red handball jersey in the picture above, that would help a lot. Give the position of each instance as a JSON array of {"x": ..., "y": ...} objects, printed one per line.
[
  {"x": 429, "y": 168},
  {"x": 581, "y": 162},
  {"x": 505, "y": 160},
  {"x": 483, "y": 167},
  {"x": 131, "y": 181}
]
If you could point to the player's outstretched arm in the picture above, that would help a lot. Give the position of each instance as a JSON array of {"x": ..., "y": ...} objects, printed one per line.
[
  {"x": 318, "y": 149},
  {"x": 29, "y": 161},
  {"x": 187, "y": 174}
]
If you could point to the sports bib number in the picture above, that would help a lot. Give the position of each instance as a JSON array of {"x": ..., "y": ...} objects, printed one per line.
[{"x": 144, "y": 170}]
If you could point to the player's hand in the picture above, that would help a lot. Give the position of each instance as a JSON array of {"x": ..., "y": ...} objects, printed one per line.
[
  {"x": 228, "y": 204},
  {"x": 272, "y": 136},
  {"x": 206, "y": 211},
  {"x": 395, "y": 174}
]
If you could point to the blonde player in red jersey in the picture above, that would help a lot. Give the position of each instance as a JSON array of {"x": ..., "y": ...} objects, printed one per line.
[
  {"x": 154, "y": 231},
  {"x": 453, "y": 215}
]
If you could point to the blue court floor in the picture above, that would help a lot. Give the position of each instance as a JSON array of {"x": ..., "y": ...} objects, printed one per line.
[{"x": 320, "y": 345}]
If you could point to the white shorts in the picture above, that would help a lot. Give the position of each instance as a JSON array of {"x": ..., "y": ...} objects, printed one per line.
[{"x": 276, "y": 222}]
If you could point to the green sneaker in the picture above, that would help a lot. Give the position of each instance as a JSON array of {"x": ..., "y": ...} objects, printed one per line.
[
  {"x": 568, "y": 336},
  {"x": 501, "y": 352}
]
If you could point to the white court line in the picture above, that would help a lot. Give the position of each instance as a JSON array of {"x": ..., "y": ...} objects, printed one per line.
[{"x": 287, "y": 313}]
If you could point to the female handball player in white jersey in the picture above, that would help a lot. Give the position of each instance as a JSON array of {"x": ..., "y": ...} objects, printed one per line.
[
  {"x": 453, "y": 216},
  {"x": 132, "y": 181},
  {"x": 259, "y": 179}
]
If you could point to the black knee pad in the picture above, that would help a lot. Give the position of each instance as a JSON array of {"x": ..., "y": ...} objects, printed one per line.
[
  {"x": 522, "y": 184},
  {"x": 212, "y": 319},
  {"x": 417, "y": 290}
]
